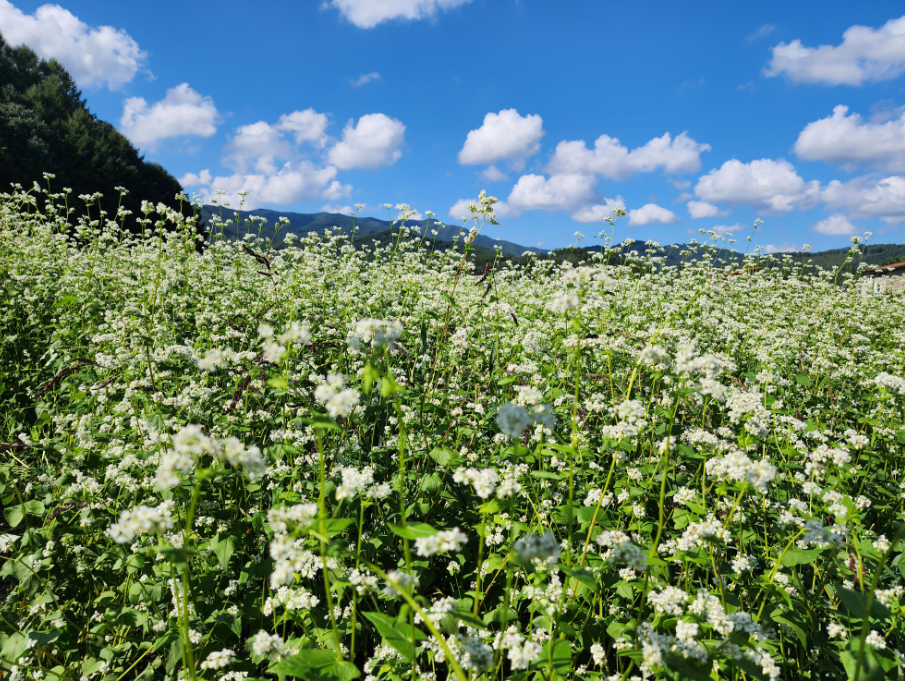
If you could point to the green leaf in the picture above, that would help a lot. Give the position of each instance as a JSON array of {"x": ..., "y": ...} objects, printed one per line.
[
  {"x": 801, "y": 379},
  {"x": 413, "y": 530},
  {"x": 546, "y": 475},
  {"x": 688, "y": 669},
  {"x": 278, "y": 382},
  {"x": 442, "y": 456},
  {"x": 316, "y": 665},
  {"x": 34, "y": 508},
  {"x": 561, "y": 656},
  {"x": 500, "y": 615},
  {"x": 321, "y": 422},
  {"x": 224, "y": 549},
  {"x": 856, "y": 603},
  {"x": 583, "y": 576},
  {"x": 14, "y": 515},
  {"x": 386, "y": 627},
  {"x": 871, "y": 670},
  {"x": 334, "y": 526},
  {"x": 44, "y": 637},
  {"x": 800, "y": 557}
]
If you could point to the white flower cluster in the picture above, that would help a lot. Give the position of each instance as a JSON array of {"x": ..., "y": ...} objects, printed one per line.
[
  {"x": 375, "y": 333},
  {"x": 563, "y": 302},
  {"x": 890, "y": 382},
  {"x": 521, "y": 651},
  {"x": 621, "y": 551},
  {"x": 142, "y": 520},
  {"x": 360, "y": 482},
  {"x": 297, "y": 598},
  {"x": 399, "y": 580},
  {"x": 442, "y": 542},
  {"x": 741, "y": 404},
  {"x": 338, "y": 400},
  {"x": 698, "y": 533},
  {"x": 268, "y": 645},
  {"x": 191, "y": 442},
  {"x": 738, "y": 467},
  {"x": 538, "y": 547},
  {"x": 630, "y": 420},
  {"x": 299, "y": 514},
  {"x": 484, "y": 480},
  {"x": 219, "y": 659},
  {"x": 474, "y": 653},
  {"x": 512, "y": 418}
]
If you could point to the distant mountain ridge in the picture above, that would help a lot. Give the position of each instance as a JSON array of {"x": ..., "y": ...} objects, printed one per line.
[{"x": 301, "y": 224}]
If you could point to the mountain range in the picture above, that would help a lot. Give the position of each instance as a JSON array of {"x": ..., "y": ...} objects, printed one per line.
[
  {"x": 263, "y": 221},
  {"x": 301, "y": 224}
]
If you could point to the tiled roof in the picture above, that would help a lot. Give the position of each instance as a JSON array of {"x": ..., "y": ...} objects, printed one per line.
[{"x": 885, "y": 269}]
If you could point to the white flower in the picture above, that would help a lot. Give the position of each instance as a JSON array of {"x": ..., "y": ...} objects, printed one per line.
[
  {"x": 443, "y": 541},
  {"x": 219, "y": 659},
  {"x": 142, "y": 520}
]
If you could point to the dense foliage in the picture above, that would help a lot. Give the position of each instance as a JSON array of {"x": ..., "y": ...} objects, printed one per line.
[
  {"x": 323, "y": 463},
  {"x": 45, "y": 127}
]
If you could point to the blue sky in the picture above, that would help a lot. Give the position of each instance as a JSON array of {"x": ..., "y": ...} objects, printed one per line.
[{"x": 723, "y": 112}]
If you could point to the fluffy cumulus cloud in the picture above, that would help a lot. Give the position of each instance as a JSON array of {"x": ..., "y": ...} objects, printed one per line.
[
  {"x": 292, "y": 183},
  {"x": 493, "y": 174},
  {"x": 202, "y": 179},
  {"x": 651, "y": 214},
  {"x": 504, "y": 136},
  {"x": 559, "y": 192},
  {"x": 835, "y": 225},
  {"x": 96, "y": 56},
  {"x": 867, "y": 197},
  {"x": 182, "y": 112},
  {"x": 866, "y": 55},
  {"x": 305, "y": 126},
  {"x": 611, "y": 159},
  {"x": 766, "y": 185},
  {"x": 784, "y": 247},
  {"x": 702, "y": 209},
  {"x": 850, "y": 141},
  {"x": 375, "y": 141},
  {"x": 599, "y": 212},
  {"x": 257, "y": 146},
  {"x": 370, "y": 13}
]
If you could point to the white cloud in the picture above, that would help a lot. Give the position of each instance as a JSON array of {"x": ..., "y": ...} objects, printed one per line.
[
  {"x": 599, "y": 211},
  {"x": 559, "y": 192},
  {"x": 767, "y": 185},
  {"x": 865, "y": 55},
  {"x": 94, "y": 56},
  {"x": 341, "y": 210},
  {"x": 199, "y": 180},
  {"x": 762, "y": 32},
  {"x": 373, "y": 142},
  {"x": 503, "y": 136},
  {"x": 337, "y": 190},
  {"x": 784, "y": 247},
  {"x": 684, "y": 196},
  {"x": 258, "y": 146},
  {"x": 293, "y": 183},
  {"x": 182, "y": 112},
  {"x": 366, "y": 78},
  {"x": 611, "y": 159},
  {"x": 702, "y": 209},
  {"x": 865, "y": 197},
  {"x": 850, "y": 141},
  {"x": 369, "y": 13},
  {"x": 835, "y": 225},
  {"x": 305, "y": 126},
  {"x": 651, "y": 213},
  {"x": 679, "y": 184},
  {"x": 493, "y": 174},
  {"x": 726, "y": 230}
]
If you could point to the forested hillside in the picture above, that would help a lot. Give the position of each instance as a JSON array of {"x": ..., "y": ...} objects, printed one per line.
[{"x": 45, "y": 127}]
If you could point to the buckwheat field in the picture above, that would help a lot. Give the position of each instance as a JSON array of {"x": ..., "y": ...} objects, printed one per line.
[{"x": 227, "y": 460}]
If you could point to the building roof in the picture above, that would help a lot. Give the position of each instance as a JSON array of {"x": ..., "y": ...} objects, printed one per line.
[{"x": 894, "y": 268}]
